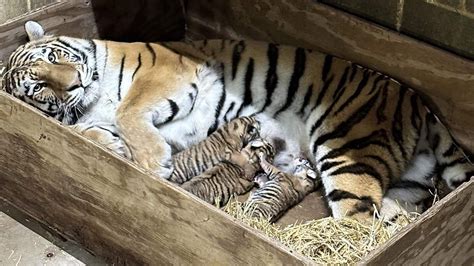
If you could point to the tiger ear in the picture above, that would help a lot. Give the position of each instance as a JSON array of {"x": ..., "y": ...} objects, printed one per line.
[{"x": 34, "y": 30}]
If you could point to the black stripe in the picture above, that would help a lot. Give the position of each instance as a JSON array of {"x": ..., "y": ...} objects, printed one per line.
[
  {"x": 271, "y": 80},
  {"x": 450, "y": 152},
  {"x": 231, "y": 107},
  {"x": 298, "y": 71},
  {"x": 373, "y": 138},
  {"x": 328, "y": 165},
  {"x": 359, "y": 169},
  {"x": 220, "y": 104},
  {"x": 397, "y": 122},
  {"x": 322, "y": 93},
  {"x": 366, "y": 204},
  {"x": 70, "y": 47},
  {"x": 360, "y": 87},
  {"x": 153, "y": 54},
  {"x": 337, "y": 195},
  {"x": 382, "y": 162},
  {"x": 442, "y": 167},
  {"x": 106, "y": 57},
  {"x": 326, "y": 67},
  {"x": 110, "y": 131},
  {"x": 174, "y": 110},
  {"x": 415, "y": 115},
  {"x": 247, "y": 85},
  {"x": 93, "y": 50},
  {"x": 236, "y": 54},
  {"x": 343, "y": 128},
  {"x": 321, "y": 119},
  {"x": 139, "y": 65},
  {"x": 354, "y": 71},
  {"x": 120, "y": 79},
  {"x": 307, "y": 98},
  {"x": 379, "y": 78},
  {"x": 341, "y": 84},
  {"x": 381, "y": 117}
]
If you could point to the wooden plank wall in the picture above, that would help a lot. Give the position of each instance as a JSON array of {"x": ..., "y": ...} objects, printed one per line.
[
  {"x": 447, "y": 79},
  {"x": 442, "y": 236}
]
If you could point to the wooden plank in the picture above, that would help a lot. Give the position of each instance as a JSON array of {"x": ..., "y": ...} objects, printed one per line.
[
  {"x": 110, "y": 205},
  {"x": 446, "y": 78},
  {"x": 74, "y": 18},
  {"x": 442, "y": 236}
]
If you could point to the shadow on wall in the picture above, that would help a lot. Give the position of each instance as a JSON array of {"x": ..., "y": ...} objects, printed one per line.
[{"x": 141, "y": 20}]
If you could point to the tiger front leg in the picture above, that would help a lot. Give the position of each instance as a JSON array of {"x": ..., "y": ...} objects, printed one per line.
[{"x": 139, "y": 117}]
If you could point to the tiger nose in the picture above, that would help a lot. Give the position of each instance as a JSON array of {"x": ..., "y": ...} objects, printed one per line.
[{"x": 75, "y": 82}]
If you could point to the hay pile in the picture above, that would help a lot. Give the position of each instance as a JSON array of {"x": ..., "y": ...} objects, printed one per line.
[{"x": 325, "y": 241}]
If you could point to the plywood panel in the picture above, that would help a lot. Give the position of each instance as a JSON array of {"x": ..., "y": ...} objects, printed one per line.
[{"x": 447, "y": 79}]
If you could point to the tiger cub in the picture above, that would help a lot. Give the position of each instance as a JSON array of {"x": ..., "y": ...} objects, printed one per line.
[
  {"x": 279, "y": 190},
  {"x": 225, "y": 141},
  {"x": 232, "y": 176}
]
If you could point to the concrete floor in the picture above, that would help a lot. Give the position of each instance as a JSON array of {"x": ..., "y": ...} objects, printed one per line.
[{"x": 23, "y": 241}]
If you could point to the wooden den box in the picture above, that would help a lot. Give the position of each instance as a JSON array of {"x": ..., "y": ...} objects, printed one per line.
[{"x": 117, "y": 211}]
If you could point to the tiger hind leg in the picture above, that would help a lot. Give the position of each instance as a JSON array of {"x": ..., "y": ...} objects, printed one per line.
[
  {"x": 354, "y": 190},
  {"x": 453, "y": 165}
]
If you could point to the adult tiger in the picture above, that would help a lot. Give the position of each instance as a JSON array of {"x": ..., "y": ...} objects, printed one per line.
[{"x": 364, "y": 131}]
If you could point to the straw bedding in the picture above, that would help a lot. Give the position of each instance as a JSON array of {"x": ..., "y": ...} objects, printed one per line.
[{"x": 325, "y": 241}]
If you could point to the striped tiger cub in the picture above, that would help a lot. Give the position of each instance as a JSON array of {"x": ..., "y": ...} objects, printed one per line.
[
  {"x": 279, "y": 190},
  {"x": 219, "y": 146},
  {"x": 368, "y": 135},
  {"x": 230, "y": 177}
]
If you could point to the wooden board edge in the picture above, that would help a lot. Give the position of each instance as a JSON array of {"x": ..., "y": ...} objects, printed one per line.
[{"x": 425, "y": 218}]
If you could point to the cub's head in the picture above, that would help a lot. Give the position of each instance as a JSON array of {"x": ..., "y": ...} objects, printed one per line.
[
  {"x": 306, "y": 178},
  {"x": 246, "y": 128},
  {"x": 55, "y": 74},
  {"x": 259, "y": 148}
]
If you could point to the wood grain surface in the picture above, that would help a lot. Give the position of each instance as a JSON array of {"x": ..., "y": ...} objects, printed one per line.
[
  {"x": 111, "y": 206},
  {"x": 444, "y": 235},
  {"x": 447, "y": 79}
]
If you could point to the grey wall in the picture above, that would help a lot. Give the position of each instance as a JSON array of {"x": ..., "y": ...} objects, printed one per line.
[
  {"x": 445, "y": 23},
  {"x": 12, "y": 8}
]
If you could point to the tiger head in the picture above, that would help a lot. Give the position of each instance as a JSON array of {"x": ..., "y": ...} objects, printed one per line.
[
  {"x": 55, "y": 74},
  {"x": 246, "y": 128}
]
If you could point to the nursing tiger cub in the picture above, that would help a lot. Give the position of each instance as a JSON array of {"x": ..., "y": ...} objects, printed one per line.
[
  {"x": 365, "y": 132},
  {"x": 221, "y": 145},
  {"x": 278, "y": 190},
  {"x": 230, "y": 177}
]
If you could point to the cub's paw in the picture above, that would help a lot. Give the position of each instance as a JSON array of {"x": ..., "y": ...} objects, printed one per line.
[{"x": 261, "y": 179}]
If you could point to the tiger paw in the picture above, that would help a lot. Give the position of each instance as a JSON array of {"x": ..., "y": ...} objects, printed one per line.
[
  {"x": 156, "y": 159},
  {"x": 105, "y": 134}
]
